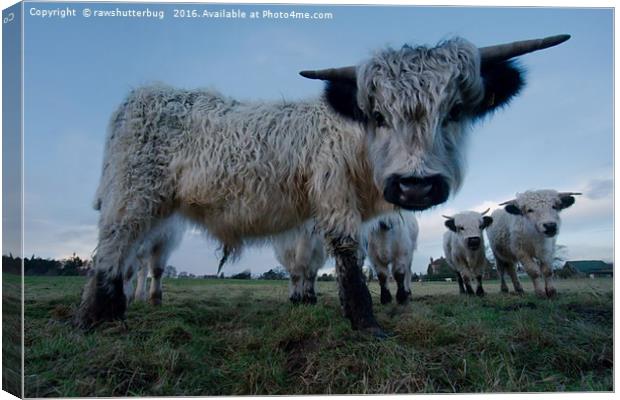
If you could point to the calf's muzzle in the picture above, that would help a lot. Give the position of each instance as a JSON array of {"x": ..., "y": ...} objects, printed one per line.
[
  {"x": 551, "y": 229},
  {"x": 473, "y": 243}
]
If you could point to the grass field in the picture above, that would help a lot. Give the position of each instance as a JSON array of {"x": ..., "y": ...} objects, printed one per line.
[{"x": 217, "y": 337}]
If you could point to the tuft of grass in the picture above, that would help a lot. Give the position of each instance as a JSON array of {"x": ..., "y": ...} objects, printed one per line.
[{"x": 224, "y": 337}]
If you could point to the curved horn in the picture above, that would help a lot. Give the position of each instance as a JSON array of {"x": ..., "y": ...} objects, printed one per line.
[
  {"x": 506, "y": 202},
  {"x": 509, "y": 50},
  {"x": 446, "y": 217},
  {"x": 562, "y": 194},
  {"x": 332, "y": 74},
  {"x": 485, "y": 211}
]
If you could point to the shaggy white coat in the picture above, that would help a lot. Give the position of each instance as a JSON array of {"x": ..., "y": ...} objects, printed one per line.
[
  {"x": 302, "y": 252},
  {"x": 393, "y": 247},
  {"x": 521, "y": 239},
  {"x": 469, "y": 264},
  {"x": 151, "y": 259},
  {"x": 246, "y": 170}
]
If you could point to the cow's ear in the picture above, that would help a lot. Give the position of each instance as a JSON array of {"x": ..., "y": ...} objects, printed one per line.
[
  {"x": 513, "y": 209},
  {"x": 450, "y": 224},
  {"x": 486, "y": 222},
  {"x": 503, "y": 80},
  {"x": 342, "y": 97},
  {"x": 565, "y": 202}
]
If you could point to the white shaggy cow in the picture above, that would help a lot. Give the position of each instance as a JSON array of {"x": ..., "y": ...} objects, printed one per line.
[
  {"x": 463, "y": 247},
  {"x": 302, "y": 252},
  {"x": 525, "y": 231},
  {"x": 388, "y": 134},
  {"x": 392, "y": 241}
]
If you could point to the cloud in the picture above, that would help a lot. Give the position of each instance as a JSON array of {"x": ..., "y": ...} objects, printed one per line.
[
  {"x": 599, "y": 188},
  {"x": 47, "y": 238},
  {"x": 590, "y": 252},
  {"x": 587, "y": 210}
]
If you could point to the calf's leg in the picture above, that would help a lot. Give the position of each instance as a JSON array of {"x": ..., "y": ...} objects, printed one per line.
[
  {"x": 501, "y": 271},
  {"x": 547, "y": 271},
  {"x": 157, "y": 266},
  {"x": 461, "y": 283},
  {"x": 479, "y": 289},
  {"x": 467, "y": 282},
  {"x": 141, "y": 282},
  {"x": 128, "y": 286},
  {"x": 295, "y": 287},
  {"x": 382, "y": 275},
  {"x": 533, "y": 270},
  {"x": 402, "y": 276},
  {"x": 309, "y": 295},
  {"x": 516, "y": 283}
]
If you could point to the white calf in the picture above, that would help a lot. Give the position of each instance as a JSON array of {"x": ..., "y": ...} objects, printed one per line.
[
  {"x": 392, "y": 240},
  {"x": 463, "y": 246},
  {"x": 525, "y": 231},
  {"x": 152, "y": 257},
  {"x": 302, "y": 252}
]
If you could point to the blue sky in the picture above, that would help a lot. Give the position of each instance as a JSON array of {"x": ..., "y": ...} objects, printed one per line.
[{"x": 557, "y": 134}]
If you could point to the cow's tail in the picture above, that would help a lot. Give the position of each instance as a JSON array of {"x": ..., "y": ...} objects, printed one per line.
[{"x": 226, "y": 251}]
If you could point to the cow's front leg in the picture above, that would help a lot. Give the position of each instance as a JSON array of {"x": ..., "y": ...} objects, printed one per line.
[
  {"x": 295, "y": 288},
  {"x": 461, "y": 283},
  {"x": 309, "y": 295},
  {"x": 402, "y": 276},
  {"x": 382, "y": 276},
  {"x": 547, "y": 272},
  {"x": 353, "y": 292},
  {"x": 467, "y": 283},
  {"x": 479, "y": 289},
  {"x": 533, "y": 270}
]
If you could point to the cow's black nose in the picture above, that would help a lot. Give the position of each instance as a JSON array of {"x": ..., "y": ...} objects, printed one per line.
[
  {"x": 473, "y": 243},
  {"x": 416, "y": 193},
  {"x": 551, "y": 228}
]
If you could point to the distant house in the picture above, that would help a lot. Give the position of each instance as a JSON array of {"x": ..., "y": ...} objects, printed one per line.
[
  {"x": 596, "y": 268},
  {"x": 439, "y": 270}
]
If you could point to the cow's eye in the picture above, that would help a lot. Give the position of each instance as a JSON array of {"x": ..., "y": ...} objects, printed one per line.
[
  {"x": 456, "y": 112},
  {"x": 379, "y": 120},
  {"x": 461, "y": 228},
  {"x": 529, "y": 210}
]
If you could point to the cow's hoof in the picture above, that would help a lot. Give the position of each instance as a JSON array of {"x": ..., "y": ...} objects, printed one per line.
[
  {"x": 551, "y": 292},
  {"x": 541, "y": 294},
  {"x": 403, "y": 297},
  {"x": 386, "y": 297},
  {"x": 295, "y": 298},
  {"x": 102, "y": 300},
  {"x": 504, "y": 289},
  {"x": 376, "y": 331},
  {"x": 155, "y": 301},
  {"x": 309, "y": 299},
  {"x": 140, "y": 297}
]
